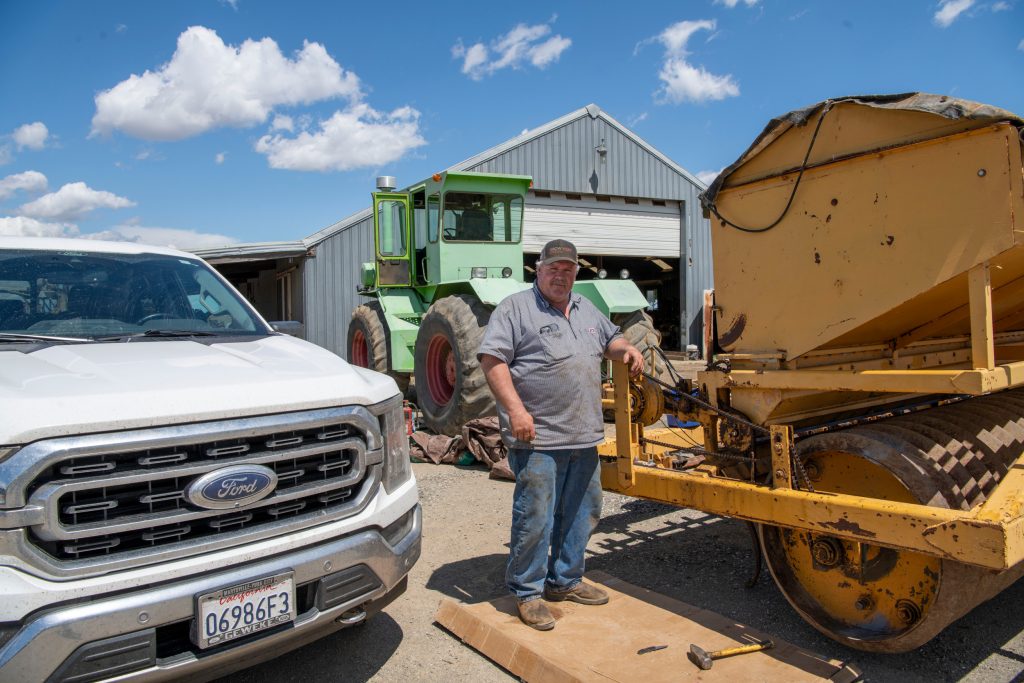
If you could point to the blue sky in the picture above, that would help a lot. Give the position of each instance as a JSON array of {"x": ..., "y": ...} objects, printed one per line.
[{"x": 202, "y": 122}]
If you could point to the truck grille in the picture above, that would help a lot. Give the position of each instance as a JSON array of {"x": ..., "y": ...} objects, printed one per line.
[{"x": 124, "y": 493}]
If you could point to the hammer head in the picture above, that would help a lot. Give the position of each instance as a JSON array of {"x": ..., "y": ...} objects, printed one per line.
[{"x": 699, "y": 657}]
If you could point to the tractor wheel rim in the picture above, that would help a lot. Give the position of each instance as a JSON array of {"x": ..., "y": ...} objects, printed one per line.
[
  {"x": 360, "y": 350},
  {"x": 440, "y": 370}
]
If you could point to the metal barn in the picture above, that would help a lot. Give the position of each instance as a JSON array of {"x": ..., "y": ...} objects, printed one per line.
[{"x": 622, "y": 202}]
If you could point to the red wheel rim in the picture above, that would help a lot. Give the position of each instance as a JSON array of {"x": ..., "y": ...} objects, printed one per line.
[
  {"x": 360, "y": 350},
  {"x": 440, "y": 370}
]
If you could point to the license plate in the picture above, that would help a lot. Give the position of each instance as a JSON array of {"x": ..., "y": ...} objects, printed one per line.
[{"x": 244, "y": 609}]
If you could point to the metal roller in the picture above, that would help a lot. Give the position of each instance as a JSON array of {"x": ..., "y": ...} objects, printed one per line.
[{"x": 882, "y": 599}]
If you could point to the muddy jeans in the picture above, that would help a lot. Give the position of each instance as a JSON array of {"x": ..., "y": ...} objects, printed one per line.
[{"x": 556, "y": 505}]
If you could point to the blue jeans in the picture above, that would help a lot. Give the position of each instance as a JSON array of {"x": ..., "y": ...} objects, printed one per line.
[{"x": 556, "y": 506}]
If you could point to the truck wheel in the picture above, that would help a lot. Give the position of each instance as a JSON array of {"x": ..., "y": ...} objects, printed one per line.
[
  {"x": 450, "y": 384},
  {"x": 638, "y": 329},
  {"x": 367, "y": 343}
]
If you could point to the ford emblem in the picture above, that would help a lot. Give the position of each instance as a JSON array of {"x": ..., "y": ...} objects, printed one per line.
[{"x": 232, "y": 487}]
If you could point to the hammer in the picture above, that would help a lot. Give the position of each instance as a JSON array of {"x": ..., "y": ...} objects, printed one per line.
[{"x": 704, "y": 659}]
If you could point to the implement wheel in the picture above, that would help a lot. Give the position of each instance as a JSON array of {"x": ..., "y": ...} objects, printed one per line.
[
  {"x": 883, "y": 599},
  {"x": 450, "y": 385},
  {"x": 367, "y": 343}
]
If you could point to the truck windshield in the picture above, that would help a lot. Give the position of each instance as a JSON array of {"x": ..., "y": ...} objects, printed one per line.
[
  {"x": 89, "y": 295},
  {"x": 476, "y": 217}
]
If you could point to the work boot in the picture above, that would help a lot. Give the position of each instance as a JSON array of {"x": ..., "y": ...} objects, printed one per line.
[
  {"x": 583, "y": 593},
  {"x": 535, "y": 614}
]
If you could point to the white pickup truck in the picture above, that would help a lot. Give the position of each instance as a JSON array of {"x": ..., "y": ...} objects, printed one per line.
[{"x": 183, "y": 491}]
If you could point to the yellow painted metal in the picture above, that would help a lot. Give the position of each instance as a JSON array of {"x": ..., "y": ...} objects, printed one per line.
[
  {"x": 994, "y": 540},
  {"x": 781, "y": 438},
  {"x": 866, "y": 236},
  {"x": 983, "y": 351},
  {"x": 950, "y": 381},
  {"x": 625, "y": 432},
  {"x": 855, "y": 584}
]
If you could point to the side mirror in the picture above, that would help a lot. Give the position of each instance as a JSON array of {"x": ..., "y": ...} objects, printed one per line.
[{"x": 289, "y": 327}]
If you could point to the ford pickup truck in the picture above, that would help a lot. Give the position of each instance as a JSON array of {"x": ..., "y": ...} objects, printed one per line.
[{"x": 183, "y": 491}]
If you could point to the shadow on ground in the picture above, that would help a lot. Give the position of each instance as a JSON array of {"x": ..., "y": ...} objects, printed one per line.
[{"x": 363, "y": 649}]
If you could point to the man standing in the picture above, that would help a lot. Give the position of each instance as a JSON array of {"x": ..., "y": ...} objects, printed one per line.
[{"x": 542, "y": 354}]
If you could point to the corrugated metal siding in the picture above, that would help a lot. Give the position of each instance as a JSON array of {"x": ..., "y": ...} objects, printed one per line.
[
  {"x": 330, "y": 280},
  {"x": 566, "y": 160},
  {"x": 696, "y": 236}
]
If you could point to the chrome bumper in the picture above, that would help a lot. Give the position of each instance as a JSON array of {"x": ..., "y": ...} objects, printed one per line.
[{"x": 62, "y": 644}]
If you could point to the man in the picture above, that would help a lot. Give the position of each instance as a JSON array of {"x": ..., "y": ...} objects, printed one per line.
[{"x": 542, "y": 354}]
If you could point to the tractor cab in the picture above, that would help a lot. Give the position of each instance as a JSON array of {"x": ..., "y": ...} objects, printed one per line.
[{"x": 450, "y": 228}]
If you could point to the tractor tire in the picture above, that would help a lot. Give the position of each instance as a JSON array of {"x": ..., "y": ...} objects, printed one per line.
[
  {"x": 638, "y": 329},
  {"x": 450, "y": 385},
  {"x": 368, "y": 343}
]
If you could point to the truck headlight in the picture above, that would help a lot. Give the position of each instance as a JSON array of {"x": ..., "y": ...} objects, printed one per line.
[
  {"x": 397, "y": 469},
  {"x": 479, "y": 272}
]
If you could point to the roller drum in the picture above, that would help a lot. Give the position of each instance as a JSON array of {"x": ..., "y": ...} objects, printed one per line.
[{"x": 885, "y": 600}]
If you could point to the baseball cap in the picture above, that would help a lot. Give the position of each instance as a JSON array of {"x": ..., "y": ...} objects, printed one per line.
[{"x": 558, "y": 250}]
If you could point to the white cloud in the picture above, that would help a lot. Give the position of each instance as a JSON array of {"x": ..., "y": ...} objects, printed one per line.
[
  {"x": 1020, "y": 45},
  {"x": 950, "y": 10},
  {"x": 208, "y": 84},
  {"x": 219, "y": 159},
  {"x": 121, "y": 28},
  {"x": 357, "y": 137},
  {"x": 707, "y": 177},
  {"x": 522, "y": 45},
  {"x": 282, "y": 122},
  {"x": 21, "y": 226},
  {"x": 639, "y": 118},
  {"x": 31, "y": 135},
  {"x": 29, "y": 181},
  {"x": 71, "y": 202},
  {"x": 681, "y": 81},
  {"x": 162, "y": 237},
  {"x": 732, "y": 3},
  {"x": 5, "y": 155},
  {"x": 1001, "y": 6}
]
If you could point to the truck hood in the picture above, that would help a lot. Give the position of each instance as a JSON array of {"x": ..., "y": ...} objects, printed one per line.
[{"x": 80, "y": 388}]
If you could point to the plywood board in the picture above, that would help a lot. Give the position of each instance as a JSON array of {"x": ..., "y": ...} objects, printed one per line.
[{"x": 604, "y": 643}]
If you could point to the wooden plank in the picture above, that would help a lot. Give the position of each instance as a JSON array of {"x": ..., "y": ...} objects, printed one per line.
[{"x": 603, "y": 643}]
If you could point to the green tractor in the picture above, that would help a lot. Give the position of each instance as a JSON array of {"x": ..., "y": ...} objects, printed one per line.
[{"x": 448, "y": 249}]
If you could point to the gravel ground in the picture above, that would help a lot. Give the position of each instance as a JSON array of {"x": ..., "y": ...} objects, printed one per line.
[{"x": 688, "y": 555}]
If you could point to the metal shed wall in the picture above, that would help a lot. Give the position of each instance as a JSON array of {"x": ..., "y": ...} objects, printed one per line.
[
  {"x": 566, "y": 160},
  {"x": 330, "y": 279},
  {"x": 562, "y": 156}
]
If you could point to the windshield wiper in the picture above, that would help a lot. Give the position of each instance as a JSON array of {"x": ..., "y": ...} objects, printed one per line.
[
  {"x": 169, "y": 334},
  {"x": 14, "y": 336}
]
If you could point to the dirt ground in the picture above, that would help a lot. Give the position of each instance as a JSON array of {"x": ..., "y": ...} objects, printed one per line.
[{"x": 697, "y": 558}]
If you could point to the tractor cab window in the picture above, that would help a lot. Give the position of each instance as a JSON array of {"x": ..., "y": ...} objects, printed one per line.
[
  {"x": 433, "y": 217},
  {"x": 391, "y": 228},
  {"x": 419, "y": 231},
  {"x": 475, "y": 217},
  {"x": 419, "y": 220}
]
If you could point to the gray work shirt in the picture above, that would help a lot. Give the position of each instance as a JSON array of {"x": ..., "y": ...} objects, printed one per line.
[{"x": 555, "y": 364}]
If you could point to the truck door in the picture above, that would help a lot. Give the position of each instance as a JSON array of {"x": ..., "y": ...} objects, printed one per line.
[{"x": 391, "y": 229}]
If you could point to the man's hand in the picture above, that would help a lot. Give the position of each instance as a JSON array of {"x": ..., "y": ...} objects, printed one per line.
[
  {"x": 620, "y": 349},
  {"x": 634, "y": 359},
  {"x": 521, "y": 423}
]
